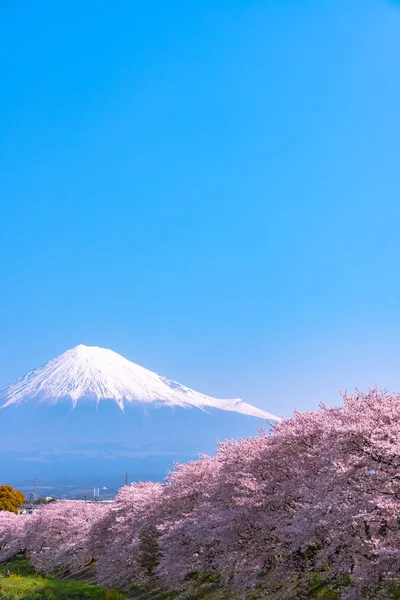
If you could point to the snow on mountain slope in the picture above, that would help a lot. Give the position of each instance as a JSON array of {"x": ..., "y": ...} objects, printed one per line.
[{"x": 97, "y": 374}]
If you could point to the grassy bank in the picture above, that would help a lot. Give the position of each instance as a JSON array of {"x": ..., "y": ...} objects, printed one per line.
[{"x": 25, "y": 584}]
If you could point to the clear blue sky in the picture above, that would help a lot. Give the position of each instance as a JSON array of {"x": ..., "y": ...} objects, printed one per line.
[{"x": 210, "y": 188}]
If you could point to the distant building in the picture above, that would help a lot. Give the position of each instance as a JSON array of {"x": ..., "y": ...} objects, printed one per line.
[{"x": 28, "y": 508}]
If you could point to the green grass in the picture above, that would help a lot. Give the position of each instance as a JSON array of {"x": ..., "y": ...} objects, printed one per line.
[{"x": 25, "y": 584}]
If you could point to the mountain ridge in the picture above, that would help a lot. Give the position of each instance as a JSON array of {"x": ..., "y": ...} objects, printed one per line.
[{"x": 91, "y": 373}]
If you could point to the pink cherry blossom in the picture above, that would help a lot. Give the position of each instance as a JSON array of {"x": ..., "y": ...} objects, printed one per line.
[
  {"x": 320, "y": 494},
  {"x": 12, "y": 530},
  {"x": 56, "y": 535}
]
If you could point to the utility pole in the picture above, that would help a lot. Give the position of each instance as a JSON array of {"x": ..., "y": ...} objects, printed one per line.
[
  {"x": 127, "y": 478},
  {"x": 34, "y": 489}
]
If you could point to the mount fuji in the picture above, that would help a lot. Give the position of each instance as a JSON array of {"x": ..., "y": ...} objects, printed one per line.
[{"x": 92, "y": 411}]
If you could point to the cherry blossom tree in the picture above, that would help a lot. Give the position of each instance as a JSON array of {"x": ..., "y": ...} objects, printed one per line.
[
  {"x": 125, "y": 540},
  {"x": 56, "y": 535},
  {"x": 12, "y": 531},
  {"x": 227, "y": 518},
  {"x": 184, "y": 547},
  {"x": 319, "y": 495},
  {"x": 352, "y": 516}
]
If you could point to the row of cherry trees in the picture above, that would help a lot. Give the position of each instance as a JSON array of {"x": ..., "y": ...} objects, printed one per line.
[{"x": 320, "y": 495}]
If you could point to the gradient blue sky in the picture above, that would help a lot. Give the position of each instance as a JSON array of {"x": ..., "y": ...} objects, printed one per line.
[{"x": 210, "y": 188}]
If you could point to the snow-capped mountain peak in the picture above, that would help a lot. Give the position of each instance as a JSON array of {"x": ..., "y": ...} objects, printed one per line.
[{"x": 88, "y": 373}]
